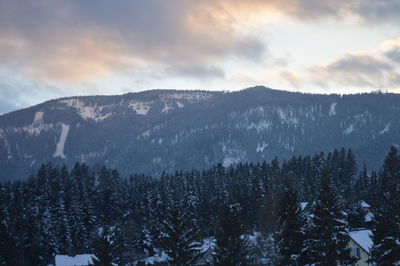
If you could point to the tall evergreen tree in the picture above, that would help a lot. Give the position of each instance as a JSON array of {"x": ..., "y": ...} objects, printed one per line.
[
  {"x": 327, "y": 236},
  {"x": 386, "y": 224},
  {"x": 291, "y": 225},
  {"x": 232, "y": 248},
  {"x": 180, "y": 238},
  {"x": 105, "y": 248}
]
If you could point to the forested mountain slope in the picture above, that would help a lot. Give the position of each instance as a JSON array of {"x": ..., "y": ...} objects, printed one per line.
[{"x": 165, "y": 130}]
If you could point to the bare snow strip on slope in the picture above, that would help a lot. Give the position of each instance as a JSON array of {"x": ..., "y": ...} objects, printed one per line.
[
  {"x": 38, "y": 117},
  {"x": 386, "y": 129},
  {"x": 349, "y": 130},
  {"x": 61, "y": 143},
  {"x": 332, "y": 110}
]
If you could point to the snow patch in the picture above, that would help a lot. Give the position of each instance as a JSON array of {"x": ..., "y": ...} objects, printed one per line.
[
  {"x": 61, "y": 142},
  {"x": 167, "y": 108},
  {"x": 349, "y": 130},
  {"x": 32, "y": 130},
  {"x": 261, "y": 147},
  {"x": 141, "y": 108},
  {"x": 385, "y": 130},
  {"x": 332, "y": 110},
  {"x": 78, "y": 260},
  {"x": 260, "y": 126},
  {"x": 189, "y": 96},
  {"x": 160, "y": 257},
  {"x": 87, "y": 112},
  {"x": 287, "y": 117},
  {"x": 233, "y": 154},
  {"x": 38, "y": 117}
]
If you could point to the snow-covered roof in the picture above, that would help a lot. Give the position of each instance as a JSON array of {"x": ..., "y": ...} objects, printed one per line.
[
  {"x": 303, "y": 205},
  {"x": 369, "y": 217},
  {"x": 363, "y": 204},
  {"x": 78, "y": 260},
  {"x": 362, "y": 238}
]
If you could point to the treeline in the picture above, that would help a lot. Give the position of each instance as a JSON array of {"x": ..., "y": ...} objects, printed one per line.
[{"x": 96, "y": 211}]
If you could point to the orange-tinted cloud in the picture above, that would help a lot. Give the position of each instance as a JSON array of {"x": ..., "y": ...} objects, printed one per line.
[{"x": 77, "y": 41}]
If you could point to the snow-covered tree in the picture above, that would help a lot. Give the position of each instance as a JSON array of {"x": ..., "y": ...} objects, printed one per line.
[
  {"x": 327, "y": 235},
  {"x": 291, "y": 224},
  {"x": 105, "y": 248},
  {"x": 232, "y": 248},
  {"x": 179, "y": 237},
  {"x": 386, "y": 223}
]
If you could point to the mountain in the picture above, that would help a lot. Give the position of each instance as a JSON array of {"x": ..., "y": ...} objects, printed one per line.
[{"x": 167, "y": 130}]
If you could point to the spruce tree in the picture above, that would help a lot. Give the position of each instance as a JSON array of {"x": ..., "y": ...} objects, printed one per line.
[
  {"x": 326, "y": 236},
  {"x": 386, "y": 224},
  {"x": 179, "y": 236},
  {"x": 290, "y": 223},
  {"x": 232, "y": 248},
  {"x": 105, "y": 248},
  {"x": 356, "y": 216}
]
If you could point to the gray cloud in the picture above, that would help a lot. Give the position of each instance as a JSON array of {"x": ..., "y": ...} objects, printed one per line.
[
  {"x": 377, "y": 11},
  {"x": 196, "y": 71},
  {"x": 357, "y": 70},
  {"x": 251, "y": 48},
  {"x": 394, "y": 54}
]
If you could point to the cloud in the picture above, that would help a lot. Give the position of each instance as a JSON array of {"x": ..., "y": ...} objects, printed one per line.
[
  {"x": 290, "y": 77},
  {"x": 391, "y": 49},
  {"x": 76, "y": 41},
  {"x": 374, "y": 69}
]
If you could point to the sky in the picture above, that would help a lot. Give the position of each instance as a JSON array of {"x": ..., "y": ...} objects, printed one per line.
[{"x": 57, "y": 48}]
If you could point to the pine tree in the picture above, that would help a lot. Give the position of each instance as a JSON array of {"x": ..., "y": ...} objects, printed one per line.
[
  {"x": 386, "y": 224},
  {"x": 180, "y": 237},
  {"x": 291, "y": 223},
  {"x": 7, "y": 245},
  {"x": 356, "y": 216},
  {"x": 326, "y": 236},
  {"x": 232, "y": 248},
  {"x": 266, "y": 213},
  {"x": 105, "y": 248}
]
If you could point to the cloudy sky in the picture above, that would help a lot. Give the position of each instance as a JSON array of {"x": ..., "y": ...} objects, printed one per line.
[{"x": 54, "y": 48}]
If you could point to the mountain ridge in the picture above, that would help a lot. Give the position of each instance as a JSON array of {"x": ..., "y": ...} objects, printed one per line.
[{"x": 167, "y": 130}]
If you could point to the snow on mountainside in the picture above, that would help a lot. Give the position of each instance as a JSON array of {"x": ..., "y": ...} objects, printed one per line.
[{"x": 155, "y": 131}]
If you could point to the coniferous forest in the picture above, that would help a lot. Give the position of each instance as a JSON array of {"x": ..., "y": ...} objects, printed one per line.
[{"x": 120, "y": 220}]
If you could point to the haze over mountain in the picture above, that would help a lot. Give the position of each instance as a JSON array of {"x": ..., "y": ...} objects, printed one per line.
[{"x": 166, "y": 130}]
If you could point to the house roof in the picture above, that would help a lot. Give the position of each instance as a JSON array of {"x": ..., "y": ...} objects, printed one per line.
[
  {"x": 369, "y": 217},
  {"x": 78, "y": 260},
  {"x": 362, "y": 238},
  {"x": 363, "y": 204},
  {"x": 303, "y": 205}
]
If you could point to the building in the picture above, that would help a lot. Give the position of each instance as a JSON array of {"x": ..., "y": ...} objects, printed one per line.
[{"x": 361, "y": 244}]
